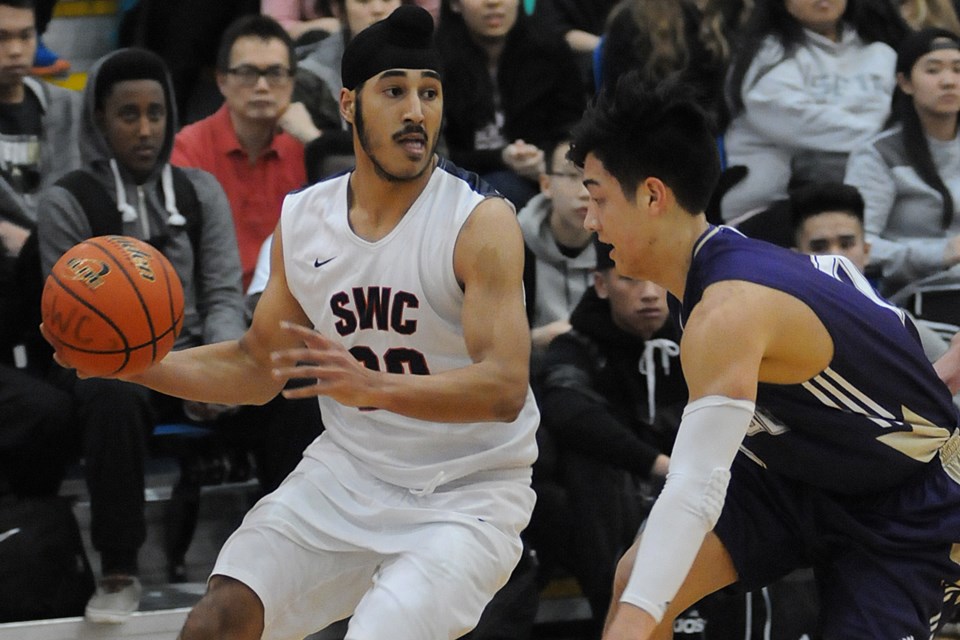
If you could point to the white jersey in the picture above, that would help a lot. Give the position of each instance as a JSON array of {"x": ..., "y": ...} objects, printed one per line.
[{"x": 396, "y": 305}]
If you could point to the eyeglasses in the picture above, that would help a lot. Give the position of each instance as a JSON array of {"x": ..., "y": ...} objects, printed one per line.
[{"x": 249, "y": 75}]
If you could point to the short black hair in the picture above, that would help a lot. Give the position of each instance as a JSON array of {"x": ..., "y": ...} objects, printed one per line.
[
  {"x": 641, "y": 130},
  {"x": 129, "y": 64},
  {"x": 259, "y": 26},
  {"x": 819, "y": 197}
]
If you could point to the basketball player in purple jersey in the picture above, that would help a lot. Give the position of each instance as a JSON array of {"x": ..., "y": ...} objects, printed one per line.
[{"x": 816, "y": 435}]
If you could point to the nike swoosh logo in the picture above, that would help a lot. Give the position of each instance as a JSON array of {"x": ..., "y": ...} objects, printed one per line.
[
  {"x": 317, "y": 263},
  {"x": 9, "y": 534}
]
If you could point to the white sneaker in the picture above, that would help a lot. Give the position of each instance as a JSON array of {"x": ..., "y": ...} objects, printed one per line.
[{"x": 115, "y": 599}]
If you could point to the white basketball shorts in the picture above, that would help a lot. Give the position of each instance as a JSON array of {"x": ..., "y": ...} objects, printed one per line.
[{"x": 334, "y": 541}]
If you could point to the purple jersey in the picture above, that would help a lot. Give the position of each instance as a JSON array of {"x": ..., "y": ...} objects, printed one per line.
[{"x": 876, "y": 415}]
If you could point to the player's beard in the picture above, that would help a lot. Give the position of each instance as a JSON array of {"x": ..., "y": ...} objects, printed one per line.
[{"x": 377, "y": 167}]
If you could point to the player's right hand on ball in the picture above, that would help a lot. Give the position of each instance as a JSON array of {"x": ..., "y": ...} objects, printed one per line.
[
  {"x": 57, "y": 357},
  {"x": 62, "y": 360}
]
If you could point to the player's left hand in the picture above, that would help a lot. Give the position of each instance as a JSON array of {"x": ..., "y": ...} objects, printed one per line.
[{"x": 335, "y": 372}]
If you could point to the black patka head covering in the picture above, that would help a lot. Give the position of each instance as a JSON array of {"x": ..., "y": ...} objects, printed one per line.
[{"x": 402, "y": 40}]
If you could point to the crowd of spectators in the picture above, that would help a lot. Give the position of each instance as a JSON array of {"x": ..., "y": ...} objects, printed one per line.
[{"x": 803, "y": 94}]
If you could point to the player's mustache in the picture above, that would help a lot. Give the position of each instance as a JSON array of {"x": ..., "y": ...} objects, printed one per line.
[{"x": 410, "y": 129}]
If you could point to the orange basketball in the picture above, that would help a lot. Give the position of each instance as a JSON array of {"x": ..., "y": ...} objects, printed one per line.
[{"x": 112, "y": 304}]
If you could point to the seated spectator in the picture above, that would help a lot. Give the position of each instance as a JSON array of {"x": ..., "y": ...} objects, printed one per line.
[
  {"x": 909, "y": 175},
  {"x": 930, "y": 13},
  {"x": 611, "y": 395},
  {"x": 508, "y": 89},
  {"x": 304, "y": 20},
  {"x": 185, "y": 33},
  {"x": 827, "y": 219},
  {"x": 38, "y": 144},
  {"x": 39, "y": 124},
  {"x": 242, "y": 144},
  {"x": 810, "y": 83},
  {"x": 560, "y": 256},
  {"x": 311, "y": 20},
  {"x": 580, "y": 23},
  {"x": 126, "y": 139},
  {"x": 664, "y": 38}
]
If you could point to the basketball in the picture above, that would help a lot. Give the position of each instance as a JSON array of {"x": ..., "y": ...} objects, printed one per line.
[{"x": 111, "y": 305}]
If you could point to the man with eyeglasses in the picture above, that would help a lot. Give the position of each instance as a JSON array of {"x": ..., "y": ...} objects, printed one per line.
[
  {"x": 247, "y": 144},
  {"x": 560, "y": 256}
]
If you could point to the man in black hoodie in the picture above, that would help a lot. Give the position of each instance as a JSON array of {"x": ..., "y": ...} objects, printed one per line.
[{"x": 611, "y": 395}]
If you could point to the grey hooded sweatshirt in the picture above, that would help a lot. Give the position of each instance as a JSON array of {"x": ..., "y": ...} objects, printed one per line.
[
  {"x": 59, "y": 154},
  {"x": 212, "y": 291},
  {"x": 559, "y": 281}
]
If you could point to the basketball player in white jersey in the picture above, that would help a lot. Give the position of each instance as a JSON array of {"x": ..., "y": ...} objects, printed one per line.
[{"x": 395, "y": 289}]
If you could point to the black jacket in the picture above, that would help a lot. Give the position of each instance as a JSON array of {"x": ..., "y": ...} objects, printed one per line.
[{"x": 594, "y": 399}]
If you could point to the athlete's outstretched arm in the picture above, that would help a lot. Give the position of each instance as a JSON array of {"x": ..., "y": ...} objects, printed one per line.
[
  {"x": 738, "y": 335},
  {"x": 488, "y": 262},
  {"x": 236, "y": 371}
]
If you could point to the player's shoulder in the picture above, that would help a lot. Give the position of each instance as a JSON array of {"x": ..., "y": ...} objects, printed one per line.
[
  {"x": 492, "y": 220},
  {"x": 490, "y": 235},
  {"x": 453, "y": 176},
  {"x": 735, "y": 310},
  {"x": 321, "y": 189},
  {"x": 737, "y": 298}
]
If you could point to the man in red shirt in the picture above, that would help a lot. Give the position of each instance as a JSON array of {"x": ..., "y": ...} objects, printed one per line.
[{"x": 242, "y": 144}]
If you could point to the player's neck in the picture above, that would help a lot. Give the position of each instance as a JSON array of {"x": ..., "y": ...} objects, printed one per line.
[
  {"x": 377, "y": 204},
  {"x": 675, "y": 251}
]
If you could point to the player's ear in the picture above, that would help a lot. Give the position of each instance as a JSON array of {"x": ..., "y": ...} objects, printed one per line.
[
  {"x": 545, "y": 182},
  {"x": 221, "y": 79},
  {"x": 905, "y": 83},
  {"x": 655, "y": 192},
  {"x": 348, "y": 101}
]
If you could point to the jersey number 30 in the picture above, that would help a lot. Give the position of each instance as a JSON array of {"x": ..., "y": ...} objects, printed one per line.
[{"x": 395, "y": 360}]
